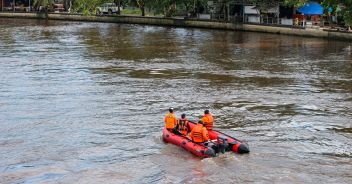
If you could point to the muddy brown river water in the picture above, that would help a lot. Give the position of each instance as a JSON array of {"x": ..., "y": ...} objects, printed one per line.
[{"x": 84, "y": 103}]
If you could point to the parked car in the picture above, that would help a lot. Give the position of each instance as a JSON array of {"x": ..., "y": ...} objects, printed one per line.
[{"x": 107, "y": 8}]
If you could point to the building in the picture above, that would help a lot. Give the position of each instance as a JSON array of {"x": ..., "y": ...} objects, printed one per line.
[
  {"x": 15, "y": 5},
  {"x": 27, "y": 5},
  {"x": 247, "y": 11}
]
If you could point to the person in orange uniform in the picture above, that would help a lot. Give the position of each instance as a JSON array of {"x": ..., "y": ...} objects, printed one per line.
[
  {"x": 199, "y": 133},
  {"x": 170, "y": 120},
  {"x": 208, "y": 120},
  {"x": 182, "y": 125}
]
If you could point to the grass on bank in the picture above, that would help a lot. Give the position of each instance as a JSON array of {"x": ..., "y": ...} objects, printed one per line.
[
  {"x": 131, "y": 12},
  {"x": 136, "y": 11}
]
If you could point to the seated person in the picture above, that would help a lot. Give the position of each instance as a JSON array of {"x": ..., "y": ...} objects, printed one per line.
[
  {"x": 199, "y": 133},
  {"x": 182, "y": 125}
]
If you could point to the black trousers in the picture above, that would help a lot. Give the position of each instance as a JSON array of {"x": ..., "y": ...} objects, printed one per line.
[{"x": 173, "y": 130}]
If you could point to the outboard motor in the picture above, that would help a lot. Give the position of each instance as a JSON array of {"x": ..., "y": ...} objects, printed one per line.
[
  {"x": 210, "y": 152},
  {"x": 222, "y": 144},
  {"x": 239, "y": 147},
  {"x": 243, "y": 148},
  {"x": 212, "y": 149}
]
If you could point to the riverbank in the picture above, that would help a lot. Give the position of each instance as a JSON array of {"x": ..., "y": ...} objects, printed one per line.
[{"x": 179, "y": 22}]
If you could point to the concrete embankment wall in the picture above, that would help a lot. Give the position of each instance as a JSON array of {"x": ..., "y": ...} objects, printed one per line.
[{"x": 185, "y": 23}]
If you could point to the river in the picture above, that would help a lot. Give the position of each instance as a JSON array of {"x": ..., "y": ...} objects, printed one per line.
[{"x": 84, "y": 102}]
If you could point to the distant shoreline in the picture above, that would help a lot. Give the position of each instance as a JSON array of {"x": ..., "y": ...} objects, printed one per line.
[{"x": 180, "y": 22}]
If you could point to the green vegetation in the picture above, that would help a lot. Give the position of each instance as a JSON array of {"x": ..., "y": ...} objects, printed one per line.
[
  {"x": 331, "y": 7},
  {"x": 170, "y": 8},
  {"x": 347, "y": 13},
  {"x": 87, "y": 7},
  {"x": 131, "y": 11},
  {"x": 295, "y": 3},
  {"x": 165, "y": 7},
  {"x": 46, "y": 4}
]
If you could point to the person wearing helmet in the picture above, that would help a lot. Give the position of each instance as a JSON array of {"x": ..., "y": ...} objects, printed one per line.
[
  {"x": 208, "y": 120},
  {"x": 199, "y": 133},
  {"x": 170, "y": 120},
  {"x": 182, "y": 125}
]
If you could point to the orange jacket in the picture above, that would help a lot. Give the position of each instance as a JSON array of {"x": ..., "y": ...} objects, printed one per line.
[
  {"x": 183, "y": 126},
  {"x": 208, "y": 121},
  {"x": 199, "y": 133},
  {"x": 170, "y": 120}
]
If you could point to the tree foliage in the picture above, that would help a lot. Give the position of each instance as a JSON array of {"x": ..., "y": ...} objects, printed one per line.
[
  {"x": 165, "y": 7},
  {"x": 334, "y": 5},
  {"x": 295, "y": 3},
  {"x": 330, "y": 7},
  {"x": 330, "y": 4},
  {"x": 88, "y": 7},
  {"x": 169, "y": 7},
  {"x": 347, "y": 12},
  {"x": 44, "y": 3},
  {"x": 120, "y": 3},
  {"x": 192, "y": 7},
  {"x": 141, "y": 4}
]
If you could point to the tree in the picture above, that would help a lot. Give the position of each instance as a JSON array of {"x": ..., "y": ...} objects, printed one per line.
[
  {"x": 46, "y": 4},
  {"x": 330, "y": 8},
  {"x": 87, "y": 7},
  {"x": 119, "y": 3},
  {"x": 141, "y": 4},
  {"x": 172, "y": 7},
  {"x": 193, "y": 6},
  {"x": 166, "y": 7},
  {"x": 295, "y": 3},
  {"x": 347, "y": 13},
  {"x": 68, "y": 4},
  {"x": 333, "y": 5}
]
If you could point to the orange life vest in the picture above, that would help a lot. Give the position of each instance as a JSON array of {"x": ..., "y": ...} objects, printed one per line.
[
  {"x": 199, "y": 133},
  {"x": 182, "y": 126},
  {"x": 208, "y": 121},
  {"x": 170, "y": 120}
]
